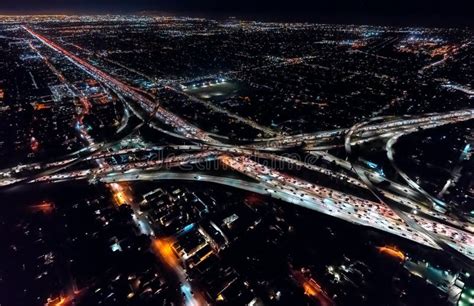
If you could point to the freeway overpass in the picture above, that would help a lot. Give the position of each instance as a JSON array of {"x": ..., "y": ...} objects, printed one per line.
[{"x": 295, "y": 190}]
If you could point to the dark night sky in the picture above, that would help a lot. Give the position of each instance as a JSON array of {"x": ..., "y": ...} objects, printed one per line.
[{"x": 435, "y": 12}]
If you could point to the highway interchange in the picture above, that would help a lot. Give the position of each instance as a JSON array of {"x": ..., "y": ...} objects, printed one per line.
[{"x": 432, "y": 226}]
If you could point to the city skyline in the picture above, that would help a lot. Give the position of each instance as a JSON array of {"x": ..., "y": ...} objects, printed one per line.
[{"x": 415, "y": 13}]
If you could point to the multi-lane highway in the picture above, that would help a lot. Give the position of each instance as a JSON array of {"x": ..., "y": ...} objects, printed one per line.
[
  {"x": 349, "y": 207},
  {"x": 287, "y": 188}
]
